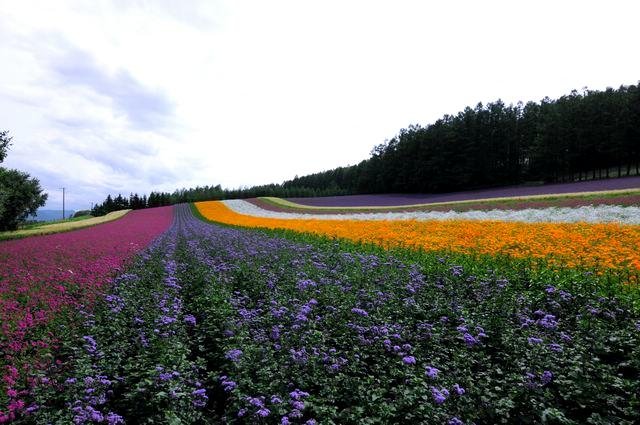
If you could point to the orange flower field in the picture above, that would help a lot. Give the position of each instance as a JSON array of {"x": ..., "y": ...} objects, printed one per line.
[{"x": 606, "y": 245}]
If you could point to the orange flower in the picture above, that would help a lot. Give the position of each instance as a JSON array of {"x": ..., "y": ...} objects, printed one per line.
[{"x": 604, "y": 245}]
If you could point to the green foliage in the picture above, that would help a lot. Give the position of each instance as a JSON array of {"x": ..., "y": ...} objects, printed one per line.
[
  {"x": 591, "y": 135},
  {"x": 20, "y": 196},
  {"x": 5, "y": 141}
]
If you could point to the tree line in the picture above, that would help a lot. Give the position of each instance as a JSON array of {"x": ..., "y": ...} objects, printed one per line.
[
  {"x": 203, "y": 193},
  {"x": 583, "y": 135},
  {"x": 588, "y": 135}
]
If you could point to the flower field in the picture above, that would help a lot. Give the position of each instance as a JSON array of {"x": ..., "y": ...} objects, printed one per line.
[
  {"x": 603, "y": 245},
  {"x": 43, "y": 280},
  {"x": 219, "y": 324},
  {"x": 583, "y": 214}
]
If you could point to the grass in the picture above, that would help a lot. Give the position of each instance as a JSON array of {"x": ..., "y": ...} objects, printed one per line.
[{"x": 60, "y": 226}]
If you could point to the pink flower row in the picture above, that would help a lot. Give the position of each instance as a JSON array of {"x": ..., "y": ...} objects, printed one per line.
[{"x": 42, "y": 277}]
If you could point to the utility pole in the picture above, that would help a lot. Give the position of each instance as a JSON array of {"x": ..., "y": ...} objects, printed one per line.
[{"x": 63, "y": 203}]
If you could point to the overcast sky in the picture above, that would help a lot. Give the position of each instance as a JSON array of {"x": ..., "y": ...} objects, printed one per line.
[{"x": 119, "y": 96}]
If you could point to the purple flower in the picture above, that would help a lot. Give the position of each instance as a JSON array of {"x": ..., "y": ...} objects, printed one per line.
[
  {"x": 297, "y": 394},
  {"x": 199, "y": 397},
  {"x": 228, "y": 385},
  {"x": 439, "y": 395},
  {"x": 455, "y": 421},
  {"x": 555, "y": 347},
  {"x": 469, "y": 339},
  {"x": 295, "y": 414},
  {"x": 409, "y": 360},
  {"x": 166, "y": 320},
  {"x": 32, "y": 408},
  {"x": 190, "y": 319},
  {"x": 360, "y": 312},
  {"x": 284, "y": 421},
  {"x": 296, "y": 404},
  {"x": 431, "y": 372},
  {"x": 299, "y": 356},
  {"x": 311, "y": 422},
  {"x": 90, "y": 344},
  {"x": 548, "y": 321},
  {"x": 533, "y": 340},
  {"x": 256, "y": 401},
  {"x": 275, "y": 332},
  {"x": 525, "y": 322},
  {"x": 96, "y": 416},
  {"x": 546, "y": 377},
  {"x": 458, "y": 389},
  {"x": 233, "y": 355},
  {"x": 263, "y": 412},
  {"x": 566, "y": 296},
  {"x": 275, "y": 399},
  {"x": 306, "y": 283}
]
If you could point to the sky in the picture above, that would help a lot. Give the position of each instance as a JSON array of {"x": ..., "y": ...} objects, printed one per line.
[{"x": 132, "y": 96}]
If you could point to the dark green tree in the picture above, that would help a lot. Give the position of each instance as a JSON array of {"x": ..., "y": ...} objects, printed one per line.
[
  {"x": 5, "y": 141},
  {"x": 20, "y": 197},
  {"x": 20, "y": 194}
]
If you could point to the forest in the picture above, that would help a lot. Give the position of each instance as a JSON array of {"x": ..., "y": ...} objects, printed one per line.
[{"x": 580, "y": 136}]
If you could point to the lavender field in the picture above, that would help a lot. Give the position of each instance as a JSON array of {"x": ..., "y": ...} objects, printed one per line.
[{"x": 389, "y": 200}]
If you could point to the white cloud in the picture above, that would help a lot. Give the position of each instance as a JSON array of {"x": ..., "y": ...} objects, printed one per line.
[{"x": 138, "y": 95}]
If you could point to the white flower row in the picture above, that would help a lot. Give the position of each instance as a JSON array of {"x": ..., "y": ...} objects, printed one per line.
[{"x": 589, "y": 214}]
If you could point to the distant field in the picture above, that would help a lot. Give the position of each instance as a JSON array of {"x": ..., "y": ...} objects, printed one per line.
[
  {"x": 62, "y": 226},
  {"x": 593, "y": 187},
  {"x": 619, "y": 197}
]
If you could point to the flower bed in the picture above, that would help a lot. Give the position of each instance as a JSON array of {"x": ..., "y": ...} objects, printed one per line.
[
  {"x": 44, "y": 279},
  {"x": 221, "y": 325},
  {"x": 606, "y": 246},
  {"x": 583, "y": 214}
]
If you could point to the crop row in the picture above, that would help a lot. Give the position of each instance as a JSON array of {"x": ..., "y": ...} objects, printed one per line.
[
  {"x": 216, "y": 324},
  {"x": 44, "y": 280},
  {"x": 582, "y": 214},
  {"x": 603, "y": 245}
]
